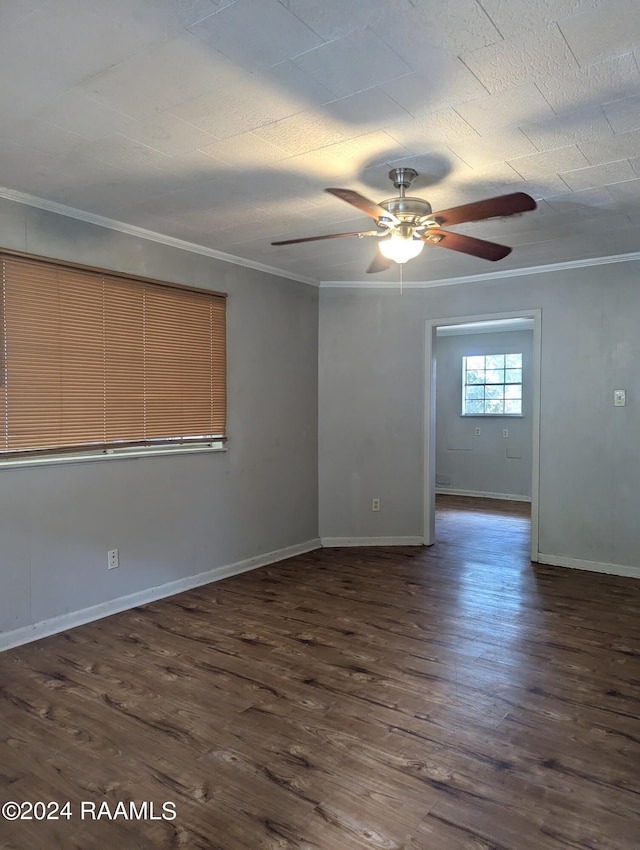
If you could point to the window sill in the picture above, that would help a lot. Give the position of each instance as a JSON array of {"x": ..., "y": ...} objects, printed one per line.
[
  {"x": 492, "y": 416},
  {"x": 110, "y": 454}
]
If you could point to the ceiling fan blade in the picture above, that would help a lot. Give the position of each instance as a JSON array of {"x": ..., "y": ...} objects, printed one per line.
[
  {"x": 379, "y": 264},
  {"x": 466, "y": 244},
  {"x": 363, "y": 204},
  {"x": 327, "y": 236},
  {"x": 503, "y": 205}
]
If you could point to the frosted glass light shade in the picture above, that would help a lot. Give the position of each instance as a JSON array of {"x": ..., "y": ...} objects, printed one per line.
[{"x": 399, "y": 248}]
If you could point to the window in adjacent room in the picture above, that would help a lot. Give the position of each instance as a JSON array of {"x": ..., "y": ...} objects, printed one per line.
[
  {"x": 98, "y": 362},
  {"x": 492, "y": 385}
]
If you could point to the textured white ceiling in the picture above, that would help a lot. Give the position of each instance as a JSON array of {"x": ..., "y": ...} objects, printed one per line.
[{"x": 220, "y": 121}]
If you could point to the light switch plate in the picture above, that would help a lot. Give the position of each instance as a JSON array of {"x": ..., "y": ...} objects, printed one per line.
[{"x": 619, "y": 398}]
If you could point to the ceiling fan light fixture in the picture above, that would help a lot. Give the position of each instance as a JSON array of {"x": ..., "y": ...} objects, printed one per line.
[{"x": 400, "y": 248}]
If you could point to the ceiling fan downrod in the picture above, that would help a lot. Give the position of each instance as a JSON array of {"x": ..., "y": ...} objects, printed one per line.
[
  {"x": 402, "y": 178},
  {"x": 405, "y": 210}
]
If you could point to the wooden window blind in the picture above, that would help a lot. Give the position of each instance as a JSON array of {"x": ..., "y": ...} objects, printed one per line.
[{"x": 92, "y": 360}]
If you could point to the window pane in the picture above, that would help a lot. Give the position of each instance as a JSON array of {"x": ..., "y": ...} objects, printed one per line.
[
  {"x": 477, "y": 377},
  {"x": 495, "y": 376},
  {"x": 514, "y": 361},
  {"x": 493, "y": 406},
  {"x": 513, "y": 406},
  {"x": 513, "y": 376},
  {"x": 494, "y": 392},
  {"x": 495, "y": 361},
  {"x": 474, "y": 407},
  {"x": 513, "y": 391},
  {"x": 474, "y": 392},
  {"x": 475, "y": 362}
]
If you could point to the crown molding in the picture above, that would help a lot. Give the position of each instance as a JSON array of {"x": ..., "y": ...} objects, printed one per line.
[
  {"x": 502, "y": 273},
  {"x": 194, "y": 248},
  {"x": 150, "y": 235}
]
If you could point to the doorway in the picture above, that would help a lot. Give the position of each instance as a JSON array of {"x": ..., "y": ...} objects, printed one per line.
[{"x": 531, "y": 319}]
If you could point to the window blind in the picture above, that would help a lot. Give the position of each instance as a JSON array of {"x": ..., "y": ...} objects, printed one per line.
[{"x": 97, "y": 360}]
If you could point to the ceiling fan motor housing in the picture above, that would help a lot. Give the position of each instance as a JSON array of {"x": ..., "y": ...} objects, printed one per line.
[{"x": 408, "y": 210}]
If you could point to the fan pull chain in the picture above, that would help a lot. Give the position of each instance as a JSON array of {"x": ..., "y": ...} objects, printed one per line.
[{"x": 401, "y": 279}]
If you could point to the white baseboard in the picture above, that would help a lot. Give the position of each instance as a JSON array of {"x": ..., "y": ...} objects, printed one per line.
[
  {"x": 332, "y": 542},
  {"x": 27, "y": 634},
  {"x": 448, "y": 491},
  {"x": 592, "y": 566}
]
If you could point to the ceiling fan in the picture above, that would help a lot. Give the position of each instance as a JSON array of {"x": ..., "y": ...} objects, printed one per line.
[{"x": 405, "y": 224}]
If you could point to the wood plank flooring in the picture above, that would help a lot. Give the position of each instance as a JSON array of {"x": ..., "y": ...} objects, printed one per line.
[{"x": 453, "y": 698}]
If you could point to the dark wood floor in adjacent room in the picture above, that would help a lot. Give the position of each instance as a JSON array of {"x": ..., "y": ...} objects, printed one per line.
[{"x": 457, "y": 698}]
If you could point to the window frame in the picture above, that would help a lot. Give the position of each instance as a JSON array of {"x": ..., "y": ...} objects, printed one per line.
[
  {"x": 117, "y": 448},
  {"x": 504, "y": 384}
]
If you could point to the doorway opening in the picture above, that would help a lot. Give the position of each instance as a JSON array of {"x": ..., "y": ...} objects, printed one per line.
[{"x": 482, "y": 423}]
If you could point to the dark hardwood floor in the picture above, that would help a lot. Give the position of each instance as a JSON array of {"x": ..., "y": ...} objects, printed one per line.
[{"x": 456, "y": 698}]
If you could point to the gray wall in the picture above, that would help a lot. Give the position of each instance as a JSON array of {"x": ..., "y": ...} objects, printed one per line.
[
  {"x": 175, "y": 516},
  {"x": 488, "y": 463},
  {"x": 372, "y": 344}
]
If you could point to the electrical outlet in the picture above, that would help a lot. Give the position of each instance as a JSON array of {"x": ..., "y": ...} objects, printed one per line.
[
  {"x": 113, "y": 560},
  {"x": 477, "y": 432},
  {"x": 375, "y": 504},
  {"x": 505, "y": 432},
  {"x": 619, "y": 398}
]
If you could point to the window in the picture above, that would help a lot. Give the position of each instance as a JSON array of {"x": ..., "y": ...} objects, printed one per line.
[
  {"x": 99, "y": 361},
  {"x": 492, "y": 385}
]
